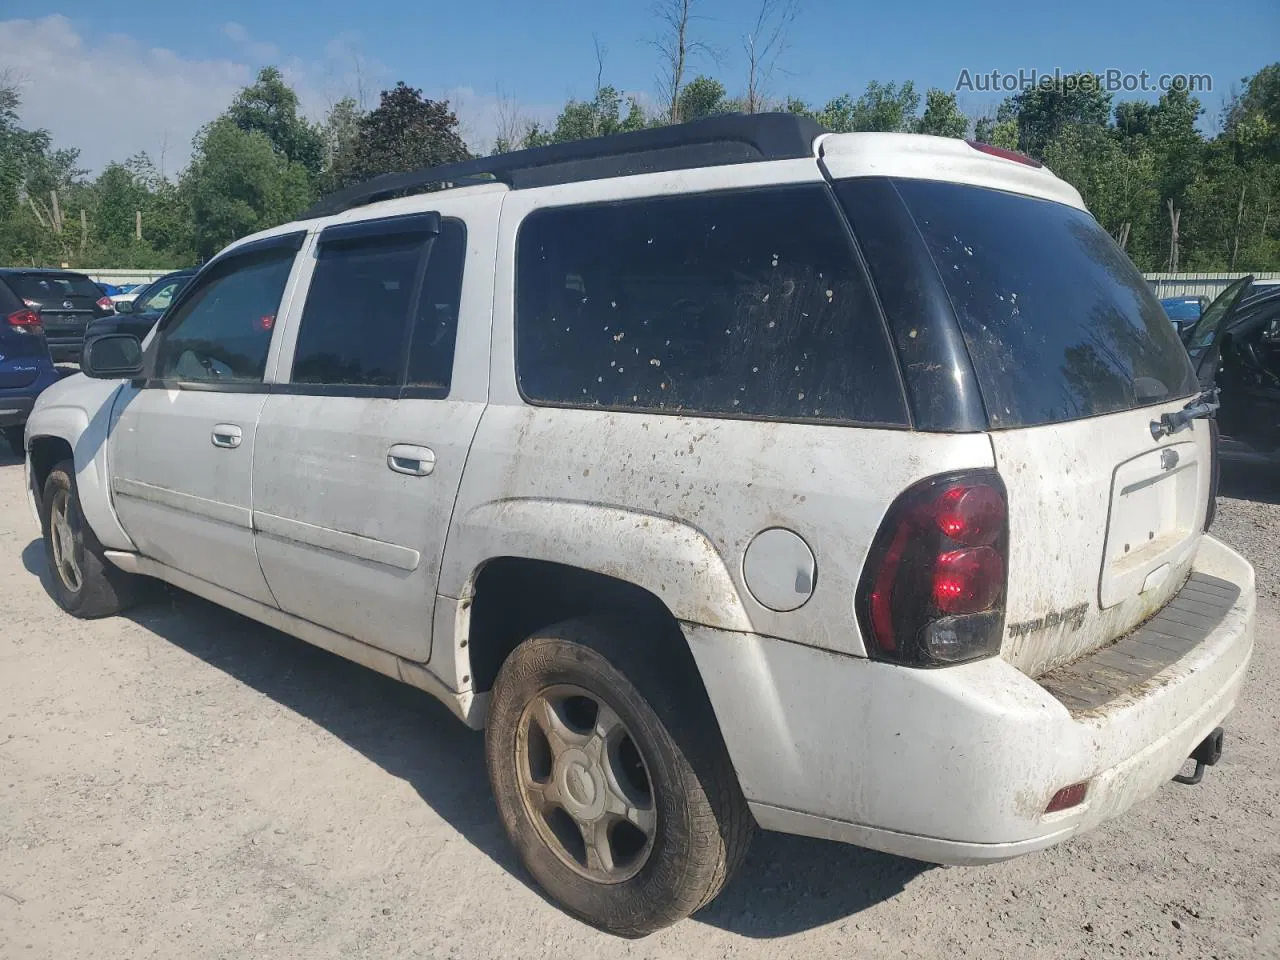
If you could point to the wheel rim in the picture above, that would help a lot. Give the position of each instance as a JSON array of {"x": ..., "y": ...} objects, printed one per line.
[
  {"x": 62, "y": 539},
  {"x": 585, "y": 784}
]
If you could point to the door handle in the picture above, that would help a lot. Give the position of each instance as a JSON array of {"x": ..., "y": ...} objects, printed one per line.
[
  {"x": 227, "y": 435},
  {"x": 408, "y": 459}
]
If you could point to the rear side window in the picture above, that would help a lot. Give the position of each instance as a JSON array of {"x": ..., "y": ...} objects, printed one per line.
[
  {"x": 1058, "y": 322},
  {"x": 744, "y": 303},
  {"x": 436, "y": 327},
  {"x": 221, "y": 333}
]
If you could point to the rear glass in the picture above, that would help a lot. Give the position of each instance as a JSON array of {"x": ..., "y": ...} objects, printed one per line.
[
  {"x": 31, "y": 286},
  {"x": 1059, "y": 323}
]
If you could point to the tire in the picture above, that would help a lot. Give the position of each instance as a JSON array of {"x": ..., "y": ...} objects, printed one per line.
[
  {"x": 16, "y": 438},
  {"x": 687, "y": 827},
  {"x": 82, "y": 580}
]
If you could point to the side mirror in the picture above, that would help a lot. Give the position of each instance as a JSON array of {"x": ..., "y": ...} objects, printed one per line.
[
  {"x": 124, "y": 306},
  {"x": 112, "y": 356}
]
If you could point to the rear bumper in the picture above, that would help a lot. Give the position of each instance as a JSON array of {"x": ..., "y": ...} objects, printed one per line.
[
  {"x": 957, "y": 765},
  {"x": 15, "y": 410}
]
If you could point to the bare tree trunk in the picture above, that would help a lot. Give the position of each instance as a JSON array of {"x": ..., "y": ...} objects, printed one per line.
[
  {"x": 674, "y": 47},
  {"x": 1123, "y": 237},
  {"x": 1235, "y": 244},
  {"x": 57, "y": 212},
  {"x": 137, "y": 224},
  {"x": 1174, "y": 216},
  {"x": 35, "y": 208},
  {"x": 84, "y": 230},
  {"x": 601, "y": 53},
  {"x": 764, "y": 44}
]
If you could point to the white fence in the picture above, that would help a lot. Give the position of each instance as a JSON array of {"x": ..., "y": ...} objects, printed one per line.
[{"x": 1198, "y": 284}]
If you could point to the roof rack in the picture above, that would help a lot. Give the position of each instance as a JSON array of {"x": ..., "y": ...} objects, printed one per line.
[{"x": 715, "y": 141}]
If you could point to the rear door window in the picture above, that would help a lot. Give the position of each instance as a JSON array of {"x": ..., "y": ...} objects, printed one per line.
[
  {"x": 1058, "y": 322},
  {"x": 743, "y": 304}
]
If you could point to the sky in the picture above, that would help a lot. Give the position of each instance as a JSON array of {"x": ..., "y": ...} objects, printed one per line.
[{"x": 114, "y": 79}]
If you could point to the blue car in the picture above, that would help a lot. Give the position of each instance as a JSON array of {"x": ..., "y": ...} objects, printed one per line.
[
  {"x": 25, "y": 366},
  {"x": 1183, "y": 311}
]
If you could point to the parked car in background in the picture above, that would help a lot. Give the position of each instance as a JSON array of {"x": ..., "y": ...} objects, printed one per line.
[
  {"x": 126, "y": 293},
  {"x": 1183, "y": 311},
  {"x": 67, "y": 303},
  {"x": 25, "y": 366},
  {"x": 712, "y": 515},
  {"x": 1238, "y": 342},
  {"x": 139, "y": 316}
]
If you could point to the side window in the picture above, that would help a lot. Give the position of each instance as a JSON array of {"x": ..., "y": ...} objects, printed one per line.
[
  {"x": 222, "y": 332},
  {"x": 744, "y": 303},
  {"x": 436, "y": 329},
  {"x": 360, "y": 312},
  {"x": 357, "y": 311}
]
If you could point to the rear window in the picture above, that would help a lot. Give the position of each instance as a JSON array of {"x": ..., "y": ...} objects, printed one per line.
[
  {"x": 738, "y": 304},
  {"x": 31, "y": 286},
  {"x": 1059, "y": 323}
]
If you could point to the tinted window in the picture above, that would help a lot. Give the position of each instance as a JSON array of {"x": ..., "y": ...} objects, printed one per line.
[
  {"x": 33, "y": 286},
  {"x": 1057, "y": 320},
  {"x": 745, "y": 304},
  {"x": 357, "y": 312},
  {"x": 436, "y": 329},
  {"x": 222, "y": 332}
]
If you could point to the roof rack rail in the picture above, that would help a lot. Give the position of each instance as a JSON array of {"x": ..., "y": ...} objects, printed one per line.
[{"x": 715, "y": 141}]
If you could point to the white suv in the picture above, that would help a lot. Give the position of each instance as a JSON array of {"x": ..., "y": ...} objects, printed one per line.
[{"x": 728, "y": 474}]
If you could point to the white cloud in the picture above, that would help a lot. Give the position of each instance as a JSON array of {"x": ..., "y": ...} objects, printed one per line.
[
  {"x": 257, "y": 50},
  {"x": 113, "y": 96}
]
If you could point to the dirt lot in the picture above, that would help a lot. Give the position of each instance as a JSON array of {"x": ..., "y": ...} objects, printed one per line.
[{"x": 185, "y": 783}]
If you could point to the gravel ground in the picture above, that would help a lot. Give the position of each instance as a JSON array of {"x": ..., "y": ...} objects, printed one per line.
[{"x": 182, "y": 782}]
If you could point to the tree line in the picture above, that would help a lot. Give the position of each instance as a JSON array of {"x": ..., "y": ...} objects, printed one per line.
[{"x": 1173, "y": 197}]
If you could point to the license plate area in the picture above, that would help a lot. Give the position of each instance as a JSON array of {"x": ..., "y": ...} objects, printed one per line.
[{"x": 1155, "y": 501}]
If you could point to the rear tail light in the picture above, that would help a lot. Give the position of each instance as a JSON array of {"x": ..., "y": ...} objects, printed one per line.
[
  {"x": 106, "y": 303},
  {"x": 1003, "y": 153},
  {"x": 933, "y": 589},
  {"x": 25, "y": 321}
]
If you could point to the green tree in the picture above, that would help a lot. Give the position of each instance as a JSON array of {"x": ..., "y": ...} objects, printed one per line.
[
  {"x": 942, "y": 116},
  {"x": 883, "y": 107},
  {"x": 237, "y": 184},
  {"x": 702, "y": 97},
  {"x": 405, "y": 132},
  {"x": 1045, "y": 110},
  {"x": 270, "y": 107}
]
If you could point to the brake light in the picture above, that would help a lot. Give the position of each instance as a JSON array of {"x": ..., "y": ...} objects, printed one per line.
[
  {"x": 1003, "y": 153},
  {"x": 933, "y": 589},
  {"x": 106, "y": 303},
  {"x": 25, "y": 321}
]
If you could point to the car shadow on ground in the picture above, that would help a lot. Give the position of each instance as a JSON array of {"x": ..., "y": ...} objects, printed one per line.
[
  {"x": 1250, "y": 481},
  {"x": 787, "y": 885}
]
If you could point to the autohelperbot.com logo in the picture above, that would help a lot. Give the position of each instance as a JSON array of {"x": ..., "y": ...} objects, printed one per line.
[{"x": 1111, "y": 80}]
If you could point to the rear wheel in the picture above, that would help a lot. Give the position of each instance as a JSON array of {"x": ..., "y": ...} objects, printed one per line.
[
  {"x": 83, "y": 581},
  {"x": 611, "y": 778}
]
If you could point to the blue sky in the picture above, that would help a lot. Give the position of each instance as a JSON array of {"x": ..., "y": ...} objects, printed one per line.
[{"x": 144, "y": 74}]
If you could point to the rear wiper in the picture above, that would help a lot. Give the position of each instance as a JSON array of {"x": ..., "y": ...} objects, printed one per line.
[{"x": 1205, "y": 405}]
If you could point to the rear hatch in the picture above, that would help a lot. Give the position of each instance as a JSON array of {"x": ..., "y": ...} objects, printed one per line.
[
  {"x": 1074, "y": 359},
  {"x": 22, "y": 353},
  {"x": 66, "y": 301}
]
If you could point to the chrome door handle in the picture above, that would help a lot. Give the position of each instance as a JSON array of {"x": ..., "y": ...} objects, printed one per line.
[
  {"x": 227, "y": 435},
  {"x": 414, "y": 461}
]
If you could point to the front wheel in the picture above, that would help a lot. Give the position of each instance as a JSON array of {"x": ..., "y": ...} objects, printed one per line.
[
  {"x": 611, "y": 777},
  {"x": 83, "y": 581}
]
